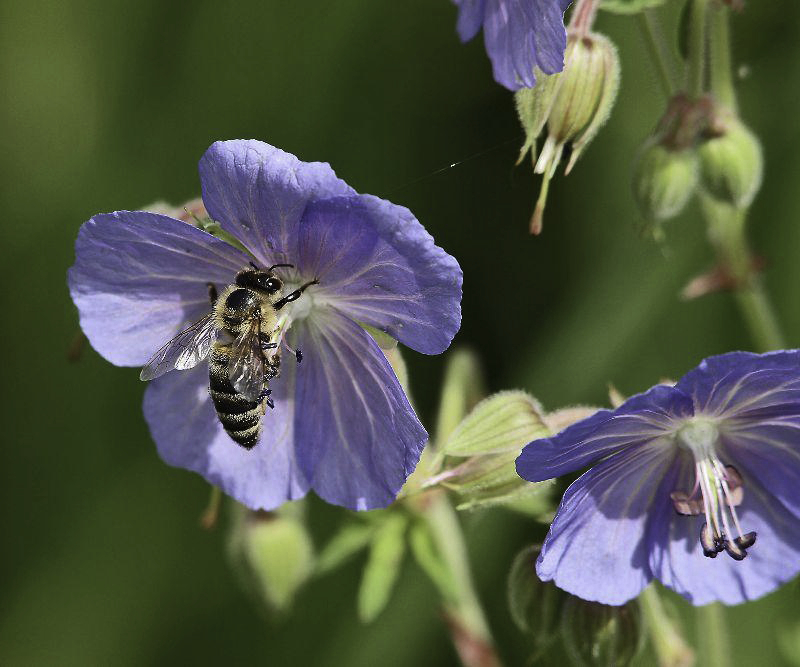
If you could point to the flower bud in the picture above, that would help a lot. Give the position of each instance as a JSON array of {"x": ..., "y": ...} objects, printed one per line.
[
  {"x": 574, "y": 104},
  {"x": 597, "y": 634},
  {"x": 272, "y": 552},
  {"x": 731, "y": 163},
  {"x": 664, "y": 180}
]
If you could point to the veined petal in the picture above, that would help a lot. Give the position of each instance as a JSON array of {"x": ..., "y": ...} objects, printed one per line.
[
  {"x": 746, "y": 385},
  {"x": 189, "y": 435},
  {"x": 139, "y": 277},
  {"x": 378, "y": 265},
  {"x": 678, "y": 560},
  {"x": 357, "y": 436},
  {"x": 258, "y": 193},
  {"x": 596, "y": 547},
  {"x": 641, "y": 420},
  {"x": 521, "y": 35},
  {"x": 470, "y": 18}
]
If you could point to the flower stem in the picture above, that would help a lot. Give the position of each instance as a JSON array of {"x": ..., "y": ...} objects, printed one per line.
[
  {"x": 582, "y": 19},
  {"x": 726, "y": 226},
  {"x": 697, "y": 48},
  {"x": 713, "y": 640},
  {"x": 658, "y": 49},
  {"x": 463, "y": 613},
  {"x": 721, "y": 72},
  {"x": 669, "y": 646}
]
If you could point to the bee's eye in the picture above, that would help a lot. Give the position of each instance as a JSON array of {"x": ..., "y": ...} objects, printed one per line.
[{"x": 271, "y": 285}]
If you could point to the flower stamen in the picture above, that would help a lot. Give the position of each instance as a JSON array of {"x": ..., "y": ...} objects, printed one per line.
[{"x": 721, "y": 489}]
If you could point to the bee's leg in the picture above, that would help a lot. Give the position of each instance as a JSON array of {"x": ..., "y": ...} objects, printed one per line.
[
  {"x": 265, "y": 342},
  {"x": 212, "y": 293},
  {"x": 293, "y": 296}
]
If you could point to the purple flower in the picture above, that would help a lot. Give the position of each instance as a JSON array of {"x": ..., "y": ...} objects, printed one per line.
[
  {"x": 679, "y": 476},
  {"x": 341, "y": 425},
  {"x": 520, "y": 35}
]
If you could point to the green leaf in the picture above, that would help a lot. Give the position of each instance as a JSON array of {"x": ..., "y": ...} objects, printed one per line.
[
  {"x": 629, "y": 6},
  {"x": 430, "y": 560},
  {"x": 503, "y": 422},
  {"x": 343, "y": 546},
  {"x": 380, "y": 574}
]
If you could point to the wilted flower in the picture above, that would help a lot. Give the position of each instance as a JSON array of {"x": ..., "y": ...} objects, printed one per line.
[
  {"x": 520, "y": 36},
  {"x": 342, "y": 425},
  {"x": 679, "y": 475}
]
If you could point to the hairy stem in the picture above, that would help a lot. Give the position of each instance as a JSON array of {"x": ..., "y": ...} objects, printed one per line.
[
  {"x": 721, "y": 72},
  {"x": 713, "y": 641},
  {"x": 695, "y": 83},
  {"x": 463, "y": 613},
  {"x": 670, "y": 647},
  {"x": 726, "y": 226},
  {"x": 659, "y": 51}
]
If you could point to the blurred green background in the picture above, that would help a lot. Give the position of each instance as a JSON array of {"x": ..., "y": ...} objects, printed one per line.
[{"x": 109, "y": 105}]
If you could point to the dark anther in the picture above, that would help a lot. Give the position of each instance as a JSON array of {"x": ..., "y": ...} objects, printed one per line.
[
  {"x": 708, "y": 542},
  {"x": 734, "y": 551},
  {"x": 270, "y": 404},
  {"x": 298, "y": 355},
  {"x": 685, "y": 505},
  {"x": 268, "y": 346},
  {"x": 746, "y": 541},
  {"x": 264, "y": 394}
]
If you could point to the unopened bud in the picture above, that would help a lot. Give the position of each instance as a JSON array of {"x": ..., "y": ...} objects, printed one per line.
[
  {"x": 664, "y": 180},
  {"x": 573, "y": 104},
  {"x": 731, "y": 163},
  {"x": 599, "y": 635}
]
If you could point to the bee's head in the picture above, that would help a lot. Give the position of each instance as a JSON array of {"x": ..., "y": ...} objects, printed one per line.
[{"x": 258, "y": 279}]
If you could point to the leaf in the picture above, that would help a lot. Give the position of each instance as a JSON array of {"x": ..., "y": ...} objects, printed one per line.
[
  {"x": 629, "y": 6},
  {"x": 343, "y": 546},
  {"x": 383, "y": 565},
  {"x": 430, "y": 560},
  {"x": 504, "y": 422}
]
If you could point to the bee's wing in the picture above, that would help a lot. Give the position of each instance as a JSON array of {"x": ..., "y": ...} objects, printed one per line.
[
  {"x": 246, "y": 366},
  {"x": 184, "y": 351}
]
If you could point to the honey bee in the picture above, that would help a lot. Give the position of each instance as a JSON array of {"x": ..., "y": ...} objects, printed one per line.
[{"x": 240, "y": 338}]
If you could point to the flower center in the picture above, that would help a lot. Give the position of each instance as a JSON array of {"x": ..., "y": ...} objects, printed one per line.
[{"x": 718, "y": 490}]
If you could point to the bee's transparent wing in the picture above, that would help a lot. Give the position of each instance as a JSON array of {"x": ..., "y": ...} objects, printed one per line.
[
  {"x": 186, "y": 350},
  {"x": 246, "y": 369}
]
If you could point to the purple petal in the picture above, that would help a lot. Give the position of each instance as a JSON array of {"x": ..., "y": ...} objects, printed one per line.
[
  {"x": 596, "y": 547},
  {"x": 379, "y": 266},
  {"x": 357, "y": 436},
  {"x": 188, "y": 434},
  {"x": 678, "y": 560},
  {"x": 745, "y": 385},
  {"x": 470, "y": 18},
  {"x": 258, "y": 193},
  {"x": 139, "y": 277},
  {"x": 521, "y": 35},
  {"x": 639, "y": 421}
]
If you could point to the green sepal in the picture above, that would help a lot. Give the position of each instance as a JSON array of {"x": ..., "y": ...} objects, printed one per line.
[
  {"x": 629, "y": 6},
  {"x": 601, "y": 635},
  {"x": 504, "y": 422},
  {"x": 533, "y": 108},
  {"x": 386, "y": 552},
  {"x": 430, "y": 560},
  {"x": 351, "y": 539},
  {"x": 535, "y": 605}
]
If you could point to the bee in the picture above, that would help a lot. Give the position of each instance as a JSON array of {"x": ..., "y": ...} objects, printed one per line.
[{"x": 240, "y": 338}]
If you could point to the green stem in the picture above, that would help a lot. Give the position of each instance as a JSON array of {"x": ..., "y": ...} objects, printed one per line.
[
  {"x": 659, "y": 51},
  {"x": 721, "y": 72},
  {"x": 726, "y": 226},
  {"x": 697, "y": 48},
  {"x": 669, "y": 646},
  {"x": 713, "y": 642},
  {"x": 468, "y": 627}
]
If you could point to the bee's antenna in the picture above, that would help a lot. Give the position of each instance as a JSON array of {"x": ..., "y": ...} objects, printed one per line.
[
  {"x": 275, "y": 266},
  {"x": 254, "y": 266}
]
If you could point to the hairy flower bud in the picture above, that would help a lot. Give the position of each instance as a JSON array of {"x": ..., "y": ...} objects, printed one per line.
[
  {"x": 597, "y": 634},
  {"x": 664, "y": 180},
  {"x": 573, "y": 104},
  {"x": 731, "y": 163}
]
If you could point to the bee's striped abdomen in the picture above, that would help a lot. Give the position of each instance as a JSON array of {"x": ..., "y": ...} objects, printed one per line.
[{"x": 240, "y": 417}]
